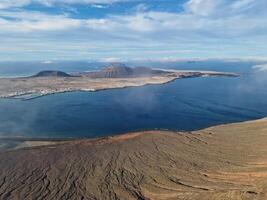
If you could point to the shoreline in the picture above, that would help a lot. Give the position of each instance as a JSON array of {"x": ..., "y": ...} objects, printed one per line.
[
  {"x": 29, "y": 142},
  {"x": 20, "y": 96},
  {"x": 97, "y": 84},
  {"x": 226, "y": 161}
]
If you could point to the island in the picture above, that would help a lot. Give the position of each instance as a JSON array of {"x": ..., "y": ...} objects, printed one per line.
[
  {"x": 118, "y": 76},
  {"x": 221, "y": 162}
]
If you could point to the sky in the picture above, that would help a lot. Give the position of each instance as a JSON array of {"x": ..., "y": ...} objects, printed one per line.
[{"x": 114, "y": 30}]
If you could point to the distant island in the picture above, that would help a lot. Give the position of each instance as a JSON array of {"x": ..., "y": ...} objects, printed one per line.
[
  {"x": 114, "y": 76},
  {"x": 221, "y": 162}
]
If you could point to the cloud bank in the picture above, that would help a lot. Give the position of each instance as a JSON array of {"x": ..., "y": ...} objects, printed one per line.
[
  {"x": 21, "y": 3},
  {"x": 202, "y": 28}
]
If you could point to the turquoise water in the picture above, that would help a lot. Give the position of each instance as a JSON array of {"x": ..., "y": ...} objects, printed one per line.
[{"x": 185, "y": 104}]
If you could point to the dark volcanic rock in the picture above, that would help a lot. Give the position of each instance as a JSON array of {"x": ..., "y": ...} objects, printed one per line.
[
  {"x": 49, "y": 73},
  {"x": 116, "y": 72},
  {"x": 122, "y": 71}
]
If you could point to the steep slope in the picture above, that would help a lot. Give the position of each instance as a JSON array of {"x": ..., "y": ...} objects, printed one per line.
[
  {"x": 115, "y": 71},
  {"x": 51, "y": 73},
  {"x": 223, "y": 162}
]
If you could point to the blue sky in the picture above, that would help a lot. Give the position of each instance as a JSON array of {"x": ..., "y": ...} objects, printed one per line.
[{"x": 113, "y": 30}]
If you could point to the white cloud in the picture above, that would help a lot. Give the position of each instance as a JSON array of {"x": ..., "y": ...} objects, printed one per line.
[
  {"x": 260, "y": 68},
  {"x": 21, "y": 3},
  {"x": 100, "y": 6},
  {"x": 212, "y": 27},
  {"x": 202, "y": 7},
  {"x": 242, "y": 4},
  {"x": 224, "y": 8},
  {"x": 194, "y": 20},
  {"x": 35, "y": 21},
  {"x": 111, "y": 59},
  {"x": 48, "y": 62},
  {"x": 13, "y": 3},
  {"x": 141, "y": 7}
]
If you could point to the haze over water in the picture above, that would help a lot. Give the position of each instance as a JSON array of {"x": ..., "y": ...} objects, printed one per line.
[{"x": 185, "y": 104}]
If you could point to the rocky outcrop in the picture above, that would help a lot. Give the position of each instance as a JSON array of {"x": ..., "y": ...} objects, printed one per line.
[
  {"x": 121, "y": 71},
  {"x": 51, "y": 73}
]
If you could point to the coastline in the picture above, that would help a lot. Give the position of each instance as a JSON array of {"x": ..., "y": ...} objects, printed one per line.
[
  {"x": 29, "y": 142},
  {"x": 220, "y": 162},
  {"x": 48, "y": 86}
]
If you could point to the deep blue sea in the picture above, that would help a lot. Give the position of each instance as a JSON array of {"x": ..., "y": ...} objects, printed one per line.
[{"x": 185, "y": 104}]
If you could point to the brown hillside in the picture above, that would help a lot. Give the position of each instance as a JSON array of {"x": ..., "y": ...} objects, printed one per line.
[{"x": 223, "y": 162}]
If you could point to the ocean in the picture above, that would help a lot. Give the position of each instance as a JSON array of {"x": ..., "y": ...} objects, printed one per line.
[{"x": 182, "y": 105}]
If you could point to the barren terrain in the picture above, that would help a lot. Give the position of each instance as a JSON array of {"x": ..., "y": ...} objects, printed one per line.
[
  {"x": 43, "y": 84},
  {"x": 221, "y": 162}
]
